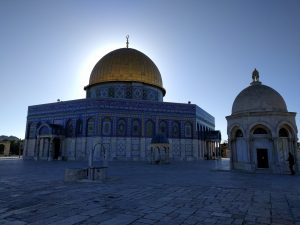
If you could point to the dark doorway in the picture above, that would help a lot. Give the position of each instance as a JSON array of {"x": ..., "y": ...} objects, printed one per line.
[
  {"x": 56, "y": 146},
  {"x": 2, "y": 149},
  {"x": 262, "y": 158}
]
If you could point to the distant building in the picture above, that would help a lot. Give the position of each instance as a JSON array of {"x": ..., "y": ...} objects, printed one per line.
[
  {"x": 4, "y": 148},
  {"x": 225, "y": 153},
  {"x": 10, "y": 145},
  {"x": 261, "y": 131},
  {"x": 122, "y": 112}
]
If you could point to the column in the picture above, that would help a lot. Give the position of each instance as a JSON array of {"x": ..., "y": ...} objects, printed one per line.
[
  {"x": 50, "y": 156},
  {"x": 37, "y": 149},
  {"x": 203, "y": 145},
  {"x": 205, "y": 150},
  {"x": 142, "y": 148},
  {"x": 296, "y": 156},
  {"x": 275, "y": 162},
  {"x": 209, "y": 150},
  {"x": 212, "y": 150},
  {"x": 41, "y": 150},
  {"x": 250, "y": 146},
  {"x": 61, "y": 149},
  {"x": 219, "y": 149},
  {"x": 75, "y": 147},
  {"x": 229, "y": 147},
  {"x": 215, "y": 149}
]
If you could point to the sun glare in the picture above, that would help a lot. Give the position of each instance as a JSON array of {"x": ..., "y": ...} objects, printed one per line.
[{"x": 88, "y": 64}]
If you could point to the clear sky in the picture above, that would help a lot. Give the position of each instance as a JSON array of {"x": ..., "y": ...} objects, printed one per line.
[{"x": 205, "y": 50}]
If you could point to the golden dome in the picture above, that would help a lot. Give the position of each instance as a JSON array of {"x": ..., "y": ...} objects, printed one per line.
[{"x": 126, "y": 65}]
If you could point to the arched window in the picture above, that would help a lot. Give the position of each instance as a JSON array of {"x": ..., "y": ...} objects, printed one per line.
[
  {"x": 239, "y": 133},
  {"x": 136, "y": 128},
  {"x": 79, "y": 127},
  {"x": 175, "y": 130},
  {"x": 44, "y": 130},
  {"x": 163, "y": 128},
  {"x": 188, "y": 130},
  {"x": 283, "y": 133},
  {"x": 69, "y": 129},
  {"x": 121, "y": 127},
  {"x": 150, "y": 128},
  {"x": 90, "y": 127},
  {"x": 260, "y": 130},
  {"x": 106, "y": 127}
]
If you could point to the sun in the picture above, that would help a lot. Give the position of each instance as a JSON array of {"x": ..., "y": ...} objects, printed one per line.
[{"x": 87, "y": 65}]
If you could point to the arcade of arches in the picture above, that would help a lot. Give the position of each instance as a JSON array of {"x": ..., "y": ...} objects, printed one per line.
[{"x": 261, "y": 131}]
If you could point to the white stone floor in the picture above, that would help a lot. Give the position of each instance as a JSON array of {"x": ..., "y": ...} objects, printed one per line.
[{"x": 137, "y": 193}]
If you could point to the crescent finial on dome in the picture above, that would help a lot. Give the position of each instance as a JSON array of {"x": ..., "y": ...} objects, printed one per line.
[{"x": 127, "y": 42}]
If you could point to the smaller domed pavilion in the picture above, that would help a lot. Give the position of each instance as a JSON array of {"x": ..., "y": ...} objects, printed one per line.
[{"x": 261, "y": 131}]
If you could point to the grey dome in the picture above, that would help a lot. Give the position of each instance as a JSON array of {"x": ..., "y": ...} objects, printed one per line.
[{"x": 258, "y": 98}]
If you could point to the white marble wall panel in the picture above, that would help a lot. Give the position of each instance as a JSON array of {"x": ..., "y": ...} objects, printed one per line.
[
  {"x": 121, "y": 148},
  {"x": 241, "y": 150}
]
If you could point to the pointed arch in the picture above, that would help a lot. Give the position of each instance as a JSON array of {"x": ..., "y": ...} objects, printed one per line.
[
  {"x": 43, "y": 129},
  {"x": 69, "y": 129},
  {"x": 283, "y": 132},
  {"x": 107, "y": 126},
  {"x": 188, "y": 130},
  {"x": 90, "y": 128},
  {"x": 261, "y": 125},
  {"x": 121, "y": 127},
  {"x": 232, "y": 131},
  {"x": 150, "y": 128},
  {"x": 289, "y": 127},
  {"x": 239, "y": 133},
  {"x": 136, "y": 127},
  {"x": 79, "y": 127},
  {"x": 176, "y": 129},
  {"x": 163, "y": 128}
]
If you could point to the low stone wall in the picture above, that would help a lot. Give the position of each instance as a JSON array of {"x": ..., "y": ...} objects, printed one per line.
[
  {"x": 92, "y": 173},
  {"x": 75, "y": 174},
  {"x": 97, "y": 173}
]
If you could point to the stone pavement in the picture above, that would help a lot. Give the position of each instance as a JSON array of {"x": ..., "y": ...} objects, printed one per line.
[{"x": 137, "y": 193}]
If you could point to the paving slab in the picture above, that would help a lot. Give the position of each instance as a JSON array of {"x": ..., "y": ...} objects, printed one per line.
[{"x": 202, "y": 192}]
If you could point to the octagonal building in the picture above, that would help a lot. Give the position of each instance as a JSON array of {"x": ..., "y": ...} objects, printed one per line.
[{"x": 122, "y": 112}]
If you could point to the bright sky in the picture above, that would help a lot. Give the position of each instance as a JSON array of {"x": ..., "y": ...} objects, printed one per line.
[{"x": 205, "y": 50}]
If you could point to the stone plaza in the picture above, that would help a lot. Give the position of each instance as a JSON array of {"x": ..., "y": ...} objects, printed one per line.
[{"x": 138, "y": 193}]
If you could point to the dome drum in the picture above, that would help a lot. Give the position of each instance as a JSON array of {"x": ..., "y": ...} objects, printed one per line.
[{"x": 125, "y": 90}]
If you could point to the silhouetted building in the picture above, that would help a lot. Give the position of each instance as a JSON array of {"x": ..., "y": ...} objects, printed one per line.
[{"x": 123, "y": 111}]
